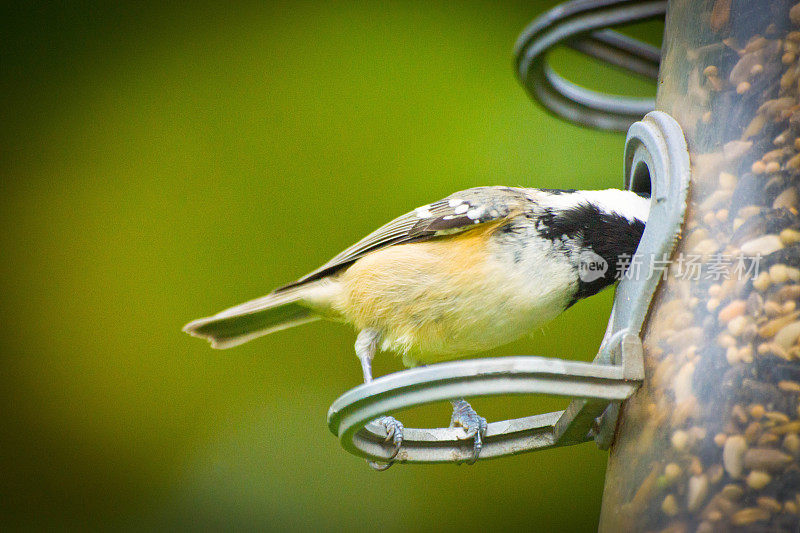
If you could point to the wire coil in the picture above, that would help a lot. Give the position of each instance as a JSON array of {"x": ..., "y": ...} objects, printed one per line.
[{"x": 583, "y": 25}]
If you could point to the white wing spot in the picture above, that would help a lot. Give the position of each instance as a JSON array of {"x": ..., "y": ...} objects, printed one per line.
[
  {"x": 448, "y": 217},
  {"x": 476, "y": 213},
  {"x": 493, "y": 213},
  {"x": 423, "y": 212},
  {"x": 461, "y": 209},
  {"x": 455, "y": 201}
]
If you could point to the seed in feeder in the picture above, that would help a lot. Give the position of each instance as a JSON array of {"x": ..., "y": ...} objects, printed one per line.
[
  {"x": 722, "y": 215},
  {"x": 787, "y": 58},
  {"x": 788, "y": 307},
  {"x": 706, "y": 247},
  {"x": 758, "y": 167},
  {"x": 767, "y": 440},
  {"x": 774, "y": 155},
  {"x": 766, "y": 459},
  {"x": 715, "y": 473},
  {"x": 737, "y": 412},
  {"x": 670, "y": 505},
  {"x": 720, "y": 15},
  {"x": 776, "y": 349},
  {"x": 787, "y": 336},
  {"x": 788, "y": 292},
  {"x": 772, "y": 309},
  {"x": 696, "y": 492},
  {"x": 778, "y": 274},
  {"x": 790, "y": 507},
  {"x": 757, "y": 42},
  {"x": 716, "y": 83},
  {"x": 769, "y": 504},
  {"x": 719, "y": 439},
  {"x": 695, "y": 466},
  {"x": 788, "y": 427},
  {"x": 789, "y": 236},
  {"x": 672, "y": 472},
  {"x": 756, "y": 69},
  {"x": 758, "y": 479},
  {"x": 698, "y": 433},
  {"x": 772, "y": 327},
  {"x": 772, "y": 167},
  {"x": 736, "y": 326},
  {"x": 791, "y": 442},
  {"x": 711, "y": 71},
  {"x": 742, "y": 87},
  {"x": 714, "y": 290},
  {"x": 762, "y": 281},
  {"x": 680, "y": 440},
  {"x": 793, "y": 163},
  {"x": 726, "y": 341},
  {"x": 752, "y": 432},
  {"x": 749, "y": 515},
  {"x": 733, "y": 455},
  {"x": 790, "y": 386},
  {"x": 732, "y": 310},
  {"x": 731, "y": 492},
  {"x": 706, "y": 118},
  {"x": 788, "y": 79},
  {"x": 793, "y": 36},
  {"x": 755, "y": 126},
  {"x": 756, "y": 410},
  {"x": 786, "y": 200},
  {"x": 746, "y": 354},
  {"x": 777, "y": 417},
  {"x": 732, "y": 355},
  {"x": 794, "y": 14}
]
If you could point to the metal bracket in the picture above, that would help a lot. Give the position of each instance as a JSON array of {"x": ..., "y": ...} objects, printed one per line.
[{"x": 656, "y": 159}]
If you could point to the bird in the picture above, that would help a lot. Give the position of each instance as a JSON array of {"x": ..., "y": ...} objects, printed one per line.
[{"x": 470, "y": 272}]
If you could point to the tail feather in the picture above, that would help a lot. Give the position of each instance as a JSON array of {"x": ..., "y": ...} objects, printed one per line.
[{"x": 247, "y": 321}]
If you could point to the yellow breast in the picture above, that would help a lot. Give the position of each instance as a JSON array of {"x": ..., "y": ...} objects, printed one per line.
[{"x": 442, "y": 298}]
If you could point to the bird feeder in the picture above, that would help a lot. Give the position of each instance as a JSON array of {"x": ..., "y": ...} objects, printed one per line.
[
  {"x": 711, "y": 441},
  {"x": 696, "y": 388},
  {"x": 656, "y": 161}
]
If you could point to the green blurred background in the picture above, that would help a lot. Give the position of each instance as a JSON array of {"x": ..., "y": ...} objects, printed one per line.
[{"x": 162, "y": 162}]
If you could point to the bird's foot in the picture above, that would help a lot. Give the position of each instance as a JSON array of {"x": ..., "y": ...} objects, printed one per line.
[
  {"x": 394, "y": 434},
  {"x": 466, "y": 417}
]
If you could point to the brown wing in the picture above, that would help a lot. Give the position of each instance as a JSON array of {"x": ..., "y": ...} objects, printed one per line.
[{"x": 458, "y": 212}]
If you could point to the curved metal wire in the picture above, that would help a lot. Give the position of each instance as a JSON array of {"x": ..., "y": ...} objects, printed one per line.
[
  {"x": 583, "y": 25},
  {"x": 655, "y": 144}
]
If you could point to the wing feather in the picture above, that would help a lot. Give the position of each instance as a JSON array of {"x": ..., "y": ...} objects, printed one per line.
[{"x": 456, "y": 213}]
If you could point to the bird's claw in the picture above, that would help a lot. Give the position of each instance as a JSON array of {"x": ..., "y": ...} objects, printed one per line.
[
  {"x": 475, "y": 426},
  {"x": 394, "y": 433}
]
